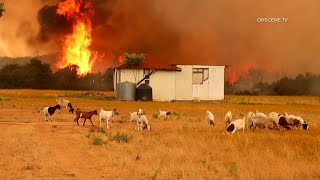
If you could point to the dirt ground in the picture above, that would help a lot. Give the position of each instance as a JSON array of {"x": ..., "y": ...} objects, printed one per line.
[{"x": 181, "y": 147}]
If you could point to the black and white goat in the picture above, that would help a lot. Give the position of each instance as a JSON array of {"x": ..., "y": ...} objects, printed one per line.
[
  {"x": 49, "y": 111},
  {"x": 210, "y": 118},
  {"x": 164, "y": 114},
  {"x": 236, "y": 125}
]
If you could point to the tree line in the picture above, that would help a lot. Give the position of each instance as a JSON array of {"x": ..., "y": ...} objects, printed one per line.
[
  {"x": 302, "y": 84},
  {"x": 38, "y": 75}
]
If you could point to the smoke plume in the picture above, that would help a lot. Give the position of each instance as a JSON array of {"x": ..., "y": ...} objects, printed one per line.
[{"x": 181, "y": 31}]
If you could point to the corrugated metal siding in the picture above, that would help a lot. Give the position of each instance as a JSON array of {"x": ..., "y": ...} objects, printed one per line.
[
  {"x": 163, "y": 85},
  {"x": 184, "y": 83},
  {"x": 216, "y": 83}
]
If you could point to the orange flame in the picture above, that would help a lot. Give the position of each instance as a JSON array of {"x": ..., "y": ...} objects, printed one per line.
[{"x": 75, "y": 47}]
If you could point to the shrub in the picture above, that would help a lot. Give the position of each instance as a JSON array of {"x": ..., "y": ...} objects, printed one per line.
[
  {"x": 97, "y": 139},
  {"x": 120, "y": 137}
]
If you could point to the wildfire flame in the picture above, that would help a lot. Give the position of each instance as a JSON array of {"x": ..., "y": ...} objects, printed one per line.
[{"x": 75, "y": 47}]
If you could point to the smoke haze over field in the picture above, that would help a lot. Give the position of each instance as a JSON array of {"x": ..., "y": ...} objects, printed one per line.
[{"x": 180, "y": 31}]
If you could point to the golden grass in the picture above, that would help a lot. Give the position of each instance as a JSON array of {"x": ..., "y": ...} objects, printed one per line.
[{"x": 182, "y": 147}]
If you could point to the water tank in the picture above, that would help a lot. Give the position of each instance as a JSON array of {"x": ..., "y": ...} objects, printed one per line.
[
  {"x": 144, "y": 92},
  {"x": 126, "y": 91}
]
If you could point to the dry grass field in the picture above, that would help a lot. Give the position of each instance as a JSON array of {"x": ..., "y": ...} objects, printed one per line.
[{"x": 182, "y": 147}]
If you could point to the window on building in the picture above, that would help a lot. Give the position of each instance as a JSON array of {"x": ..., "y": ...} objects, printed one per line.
[
  {"x": 146, "y": 73},
  {"x": 199, "y": 75}
]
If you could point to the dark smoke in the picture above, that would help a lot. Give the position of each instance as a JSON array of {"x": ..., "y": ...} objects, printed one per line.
[
  {"x": 191, "y": 31},
  {"x": 52, "y": 26}
]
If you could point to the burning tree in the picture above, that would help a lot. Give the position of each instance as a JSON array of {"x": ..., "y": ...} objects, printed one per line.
[{"x": 2, "y": 10}]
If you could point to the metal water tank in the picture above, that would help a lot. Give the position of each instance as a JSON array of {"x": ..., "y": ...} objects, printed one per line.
[
  {"x": 144, "y": 92},
  {"x": 126, "y": 91}
]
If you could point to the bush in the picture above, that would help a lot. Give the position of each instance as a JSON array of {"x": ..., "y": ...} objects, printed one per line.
[
  {"x": 133, "y": 59},
  {"x": 120, "y": 137},
  {"x": 97, "y": 139}
]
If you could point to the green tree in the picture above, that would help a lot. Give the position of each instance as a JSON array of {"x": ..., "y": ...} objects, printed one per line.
[
  {"x": 37, "y": 75},
  {"x": 11, "y": 76},
  {"x": 2, "y": 10},
  {"x": 66, "y": 78}
]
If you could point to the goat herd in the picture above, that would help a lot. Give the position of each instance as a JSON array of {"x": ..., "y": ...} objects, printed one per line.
[{"x": 273, "y": 121}]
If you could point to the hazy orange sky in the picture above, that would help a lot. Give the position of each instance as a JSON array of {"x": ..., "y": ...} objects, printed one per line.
[{"x": 185, "y": 31}]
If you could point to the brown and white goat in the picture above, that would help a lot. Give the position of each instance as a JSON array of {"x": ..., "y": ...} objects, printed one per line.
[
  {"x": 84, "y": 115},
  {"x": 263, "y": 122}
]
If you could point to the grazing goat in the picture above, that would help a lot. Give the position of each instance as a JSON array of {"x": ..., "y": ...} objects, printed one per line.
[
  {"x": 107, "y": 115},
  {"x": 275, "y": 117},
  {"x": 296, "y": 121},
  {"x": 210, "y": 118},
  {"x": 249, "y": 118},
  {"x": 49, "y": 111},
  {"x": 283, "y": 123},
  {"x": 65, "y": 103},
  {"x": 263, "y": 123},
  {"x": 142, "y": 123},
  {"x": 84, "y": 115},
  {"x": 164, "y": 114},
  {"x": 133, "y": 114},
  {"x": 236, "y": 125},
  {"x": 228, "y": 118},
  {"x": 260, "y": 114}
]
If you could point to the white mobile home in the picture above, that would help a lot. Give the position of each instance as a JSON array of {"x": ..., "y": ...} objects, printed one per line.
[{"x": 175, "y": 82}]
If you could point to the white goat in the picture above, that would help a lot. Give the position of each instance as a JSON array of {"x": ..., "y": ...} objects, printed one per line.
[
  {"x": 250, "y": 115},
  {"x": 133, "y": 114},
  {"x": 260, "y": 114},
  {"x": 65, "y": 103},
  {"x": 228, "y": 118},
  {"x": 142, "y": 123},
  {"x": 275, "y": 117},
  {"x": 210, "y": 118},
  {"x": 107, "y": 115},
  {"x": 164, "y": 114},
  {"x": 236, "y": 125}
]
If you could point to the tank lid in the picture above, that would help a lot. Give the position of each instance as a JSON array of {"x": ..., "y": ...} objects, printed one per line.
[{"x": 144, "y": 86}]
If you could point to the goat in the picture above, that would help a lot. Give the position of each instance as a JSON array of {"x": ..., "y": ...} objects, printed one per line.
[
  {"x": 107, "y": 115},
  {"x": 296, "y": 121},
  {"x": 275, "y": 117},
  {"x": 49, "y": 111},
  {"x": 85, "y": 116},
  {"x": 142, "y": 123},
  {"x": 236, "y": 125},
  {"x": 249, "y": 118},
  {"x": 164, "y": 114},
  {"x": 133, "y": 114},
  {"x": 228, "y": 118},
  {"x": 283, "y": 123},
  {"x": 210, "y": 118},
  {"x": 65, "y": 103},
  {"x": 260, "y": 114},
  {"x": 263, "y": 123}
]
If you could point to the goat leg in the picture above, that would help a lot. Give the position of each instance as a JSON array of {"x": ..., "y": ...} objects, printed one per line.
[{"x": 91, "y": 122}]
